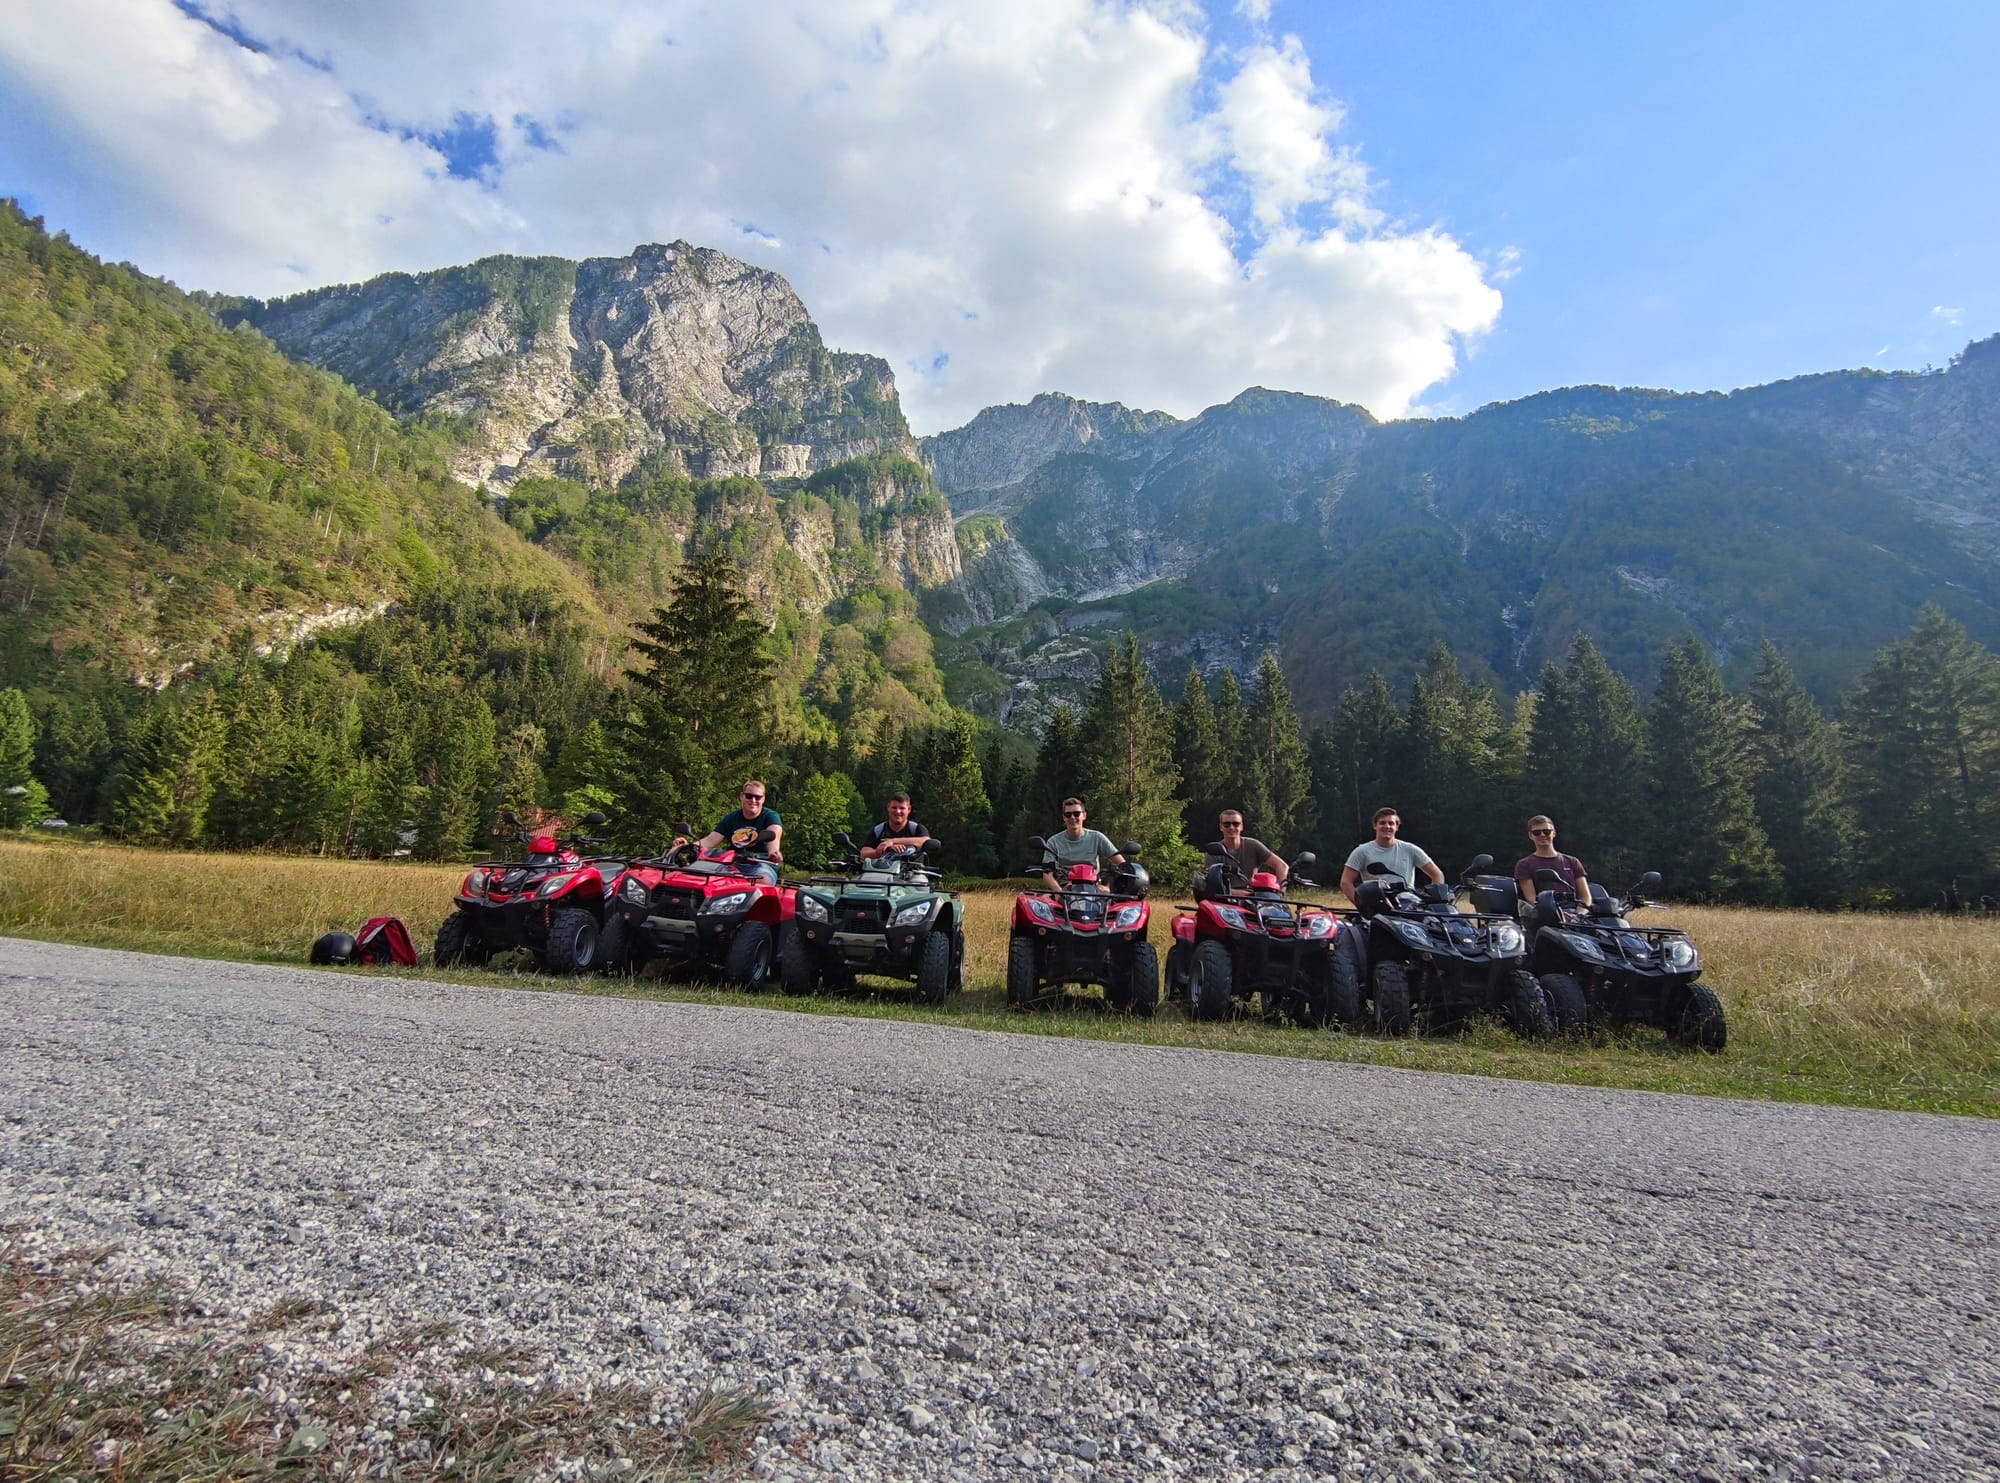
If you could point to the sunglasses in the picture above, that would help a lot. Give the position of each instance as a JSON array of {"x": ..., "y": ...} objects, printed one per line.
[
  {"x": 1538, "y": 832},
  {"x": 753, "y": 797},
  {"x": 1072, "y": 813},
  {"x": 1233, "y": 824}
]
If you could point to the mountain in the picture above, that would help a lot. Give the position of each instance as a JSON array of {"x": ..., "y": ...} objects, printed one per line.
[
  {"x": 680, "y": 355},
  {"x": 1822, "y": 512}
]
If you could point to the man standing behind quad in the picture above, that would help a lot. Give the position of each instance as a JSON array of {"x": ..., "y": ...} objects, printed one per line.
[
  {"x": 1242, "y": 856},
  {"x": 899, "y": 834},
  {"x": 1542, "y": 831},
  {"x": 1077, "y": 845},
  {"x": 741, "y": 826},
  {"x": 1403, "y": 859}
]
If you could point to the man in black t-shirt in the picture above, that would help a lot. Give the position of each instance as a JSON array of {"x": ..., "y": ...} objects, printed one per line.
[
  {"x": 1241, "y": 856},
  {"x": 741, "y": 826},
  {"x": 898, "y": 835}
]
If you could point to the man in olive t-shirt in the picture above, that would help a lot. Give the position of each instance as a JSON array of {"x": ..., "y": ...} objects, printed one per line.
[{"x": 1241, "y": 856}]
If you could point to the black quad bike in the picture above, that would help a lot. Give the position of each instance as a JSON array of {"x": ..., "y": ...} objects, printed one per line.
[
  {"x": 887, "y": 918},
  {"x": 1288, "y": 951},
  {"x": 1087, "y": 931},
  {"x": 1427, "y": 959},
  {"x": 1598, "y": 969},
  {"x": 549, "y": 903}
]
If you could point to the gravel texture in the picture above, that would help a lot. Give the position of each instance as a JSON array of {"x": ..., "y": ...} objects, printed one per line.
[{"x": 954, "y": 1254}]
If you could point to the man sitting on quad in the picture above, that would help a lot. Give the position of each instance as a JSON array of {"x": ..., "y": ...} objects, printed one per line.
[
  {"x": 1569, "y": 869},
  {"x": 1241, "y": 856},
  {"x": 1076, "y": 845},
  {"x": 1402, "y": 859},
  {"x": 741, "y": 826},
  {"x": 899, "y": 835}
]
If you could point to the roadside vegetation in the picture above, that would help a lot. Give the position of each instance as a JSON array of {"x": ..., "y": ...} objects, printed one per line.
[
  {"x": 1864, "y": 1009},
  {"x": 109, "y": 1376}
]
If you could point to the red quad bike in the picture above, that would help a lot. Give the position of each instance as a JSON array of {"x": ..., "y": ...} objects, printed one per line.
[
  {"x": 1290, "y": 952},
  {"x": 691, "y": 908},
  {"x": 1087, "y": 932},
  {"x": 549, "y": 903}
]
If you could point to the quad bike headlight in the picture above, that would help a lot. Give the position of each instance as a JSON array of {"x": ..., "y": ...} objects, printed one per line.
[
  {"x": 634, "y": 890},
  {"x": 1681, "y": 955},
  {"x": 1582, "y": 946},
  {"x": 1127, "y": 916},
  {"x": 475, "y": 884},
  {"x": 554, "y": 885},
  {"x": 722, "y": 906},
  {"x": 1041, "y": 911},
  {"x": 1317, "y": 925},
  {"x": 1231, "y": 917},
  {"x": 1507, "y": 939},
  {"x": 811, "y": 908},
  {"x": 912, "y": 914}
]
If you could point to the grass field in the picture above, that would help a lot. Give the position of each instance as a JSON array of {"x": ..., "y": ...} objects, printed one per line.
[{"x": 1874, "y": 1011}]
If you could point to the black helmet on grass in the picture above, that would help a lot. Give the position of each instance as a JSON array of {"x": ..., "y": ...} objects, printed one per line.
[{"x": 334, "y": 947}]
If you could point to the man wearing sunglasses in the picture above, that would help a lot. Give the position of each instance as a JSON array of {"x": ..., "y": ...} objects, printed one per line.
[
  {"x": 1077, "y": 845},
  {"x": 742, "y": 825},
  {"x": 1242, "y": 856},
  {"x": 1542, "y": 833}
]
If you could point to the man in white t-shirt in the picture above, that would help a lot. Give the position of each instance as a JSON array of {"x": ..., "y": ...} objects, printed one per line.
[{"x": 1403, "y": 859}]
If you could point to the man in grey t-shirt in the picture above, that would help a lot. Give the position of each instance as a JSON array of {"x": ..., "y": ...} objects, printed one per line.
[
  {"x": 1403, "y": 859},
  {"x": 1077, "y": 845},
  {"x": 1241, "y": 856}
]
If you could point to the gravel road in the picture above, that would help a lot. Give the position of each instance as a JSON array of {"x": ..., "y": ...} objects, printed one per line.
[{"x": 955, "y": 1254}]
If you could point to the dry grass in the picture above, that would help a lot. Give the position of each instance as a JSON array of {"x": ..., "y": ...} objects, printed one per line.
[
  {"x": 1878, "y": 1011},
  {"x": 102, "y": 1377}
]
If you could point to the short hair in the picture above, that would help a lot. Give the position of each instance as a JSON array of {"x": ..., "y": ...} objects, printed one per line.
[
  {"x": 899, "y": 796},
  {"x": 757, "y": 783},
  {"x": 1077, "y": 801},
  {"x": 1540, "y": 819},
  {"x": 1228, "y": 811},
  {"x": 1384, "y": 812}
]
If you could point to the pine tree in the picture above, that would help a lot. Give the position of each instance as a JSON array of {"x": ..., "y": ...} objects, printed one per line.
[
  {"x": 244, "y": 809},
  {"x": 388, "y": 799},
  {"x": 458, "y": 784},
  {"x": 1586, "y": 764},
  {"x": 1198, "y": 758},
  {"x": 1278, "y": 804},
  {"x": 173, "y": 759},
  {"x": 1058, "y": 775},
  {"x": 1923, "y": 728},
  {"x": 1244, "y": 785},
  {"x": 521, "y": 770},
  {"x": 1358, "y": 762},
  {"x": 23, "y": 800},
  {"x": 701, "y": 719},
  {"x": 948, "y": 793},
  {"x": 1129, "y": 774},
  {"x": 1707, "y": 842},
  {"x": 817, "y": 807},
  {"x": 1799, "y": 785},
  {"x": 1008, "y": 779},
  {"x": 1454, "y": 786}
]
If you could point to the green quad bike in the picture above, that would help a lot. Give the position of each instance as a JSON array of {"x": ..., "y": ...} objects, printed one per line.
[{"x": 885, "y": 918}]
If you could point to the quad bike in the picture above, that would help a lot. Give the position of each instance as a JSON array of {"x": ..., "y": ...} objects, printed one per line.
[
  {"x": 1233, "y": 943},
  {"x": 1598, "y": 969},
  {"x": 550, "y": 903},
  {"x": 1086, "y": 931},
  {"x": 695, "y": 908},
  {"x": 1425, "y": 958},
  {"x": 886, "y": 918}
]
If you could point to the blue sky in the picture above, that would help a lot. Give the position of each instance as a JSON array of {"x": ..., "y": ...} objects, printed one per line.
[{"x": 1418, "y": 208}]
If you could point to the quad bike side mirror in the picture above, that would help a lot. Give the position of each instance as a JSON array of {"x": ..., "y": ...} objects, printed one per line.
[
  {"x": 1305, "y": 861},
  {"x": 508, "y": 818},
  {"x": 594, "y": 818},
  {"x": 1479, "y": 863},
  {"x": 1215, "y": 848},
  {"x": 1650, "y": 881},
  {"x": 683, "y": 826},
  {"x": 1130, "y": 850},
  {"x": 846, "y": 842},
  {"x": 1547, "y": 880},
  {"x": 931, "y": 846},
  {"x": 1376, "y": 867},
  {"x": 1036, "y": 842}
]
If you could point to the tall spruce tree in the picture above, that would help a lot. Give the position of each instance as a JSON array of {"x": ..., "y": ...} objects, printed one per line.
[
  {"x": 1586, "y": 763},
  {"x": 1707, "y": 842},
  {"x": 1799, "y": 785},
  {"x": 458, "y": 778},
  {"x": 949, "y": 786},
  {"x": 1923, "y": 729},
  {"x": 23, "y": 800},
  {"x": 1357, "y": 763},
  {"x": 1058, "y": 774},
  {"x": 701, "y": 719},
  {"x": 1198, "y": 757},
  {"x": 1454, "y": 795},
  {"x": 173, "y": 759},
  {"x": 1276, "y": 741},
  {"x": 1129, "y": 777}
]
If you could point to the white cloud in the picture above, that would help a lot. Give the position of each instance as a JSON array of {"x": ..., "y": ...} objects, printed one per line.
[
  {"x": 1944, "y": 315},
  {"x": 1075, "y": 195}
]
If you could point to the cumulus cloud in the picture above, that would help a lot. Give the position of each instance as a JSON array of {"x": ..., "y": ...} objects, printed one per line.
[
  {"x": 1076, "y": 195},
  {"x": 1945, "y": 314}
]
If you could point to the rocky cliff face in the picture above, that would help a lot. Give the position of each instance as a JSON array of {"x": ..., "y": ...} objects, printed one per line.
[
  {"x": 1004, "y": 445},
  {"x": 583, "y": 369}
]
